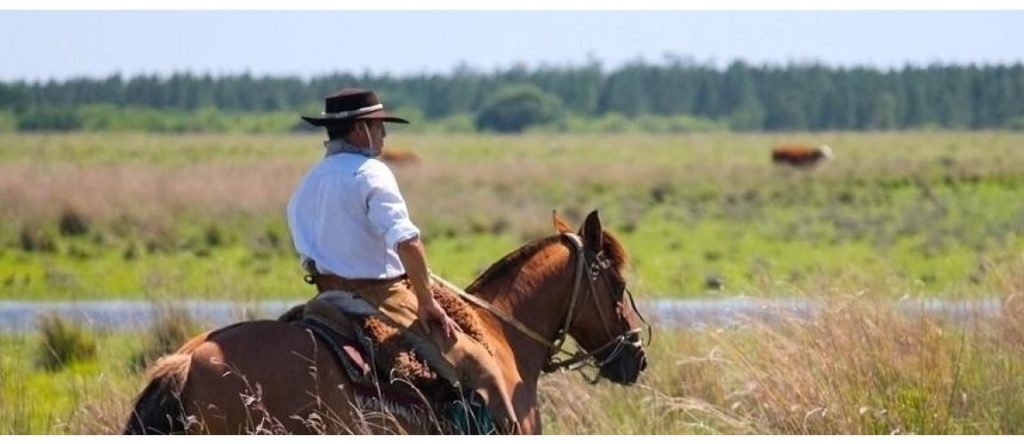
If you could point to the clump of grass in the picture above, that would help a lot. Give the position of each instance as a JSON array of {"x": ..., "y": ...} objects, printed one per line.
[
  {"x": 853, "y": 368},
  {"x": 1011, "y": 320},
  {"x": 171, "y": 328},
  {"x": 62, "y": 344},
  {"x": 32, "y": 239},
  {"x": 72, "y": 223}
]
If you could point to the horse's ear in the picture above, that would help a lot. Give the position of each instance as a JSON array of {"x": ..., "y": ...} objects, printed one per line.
[
  {"x": 592, "y": 233},
  {"x": 561, "y": 226}
]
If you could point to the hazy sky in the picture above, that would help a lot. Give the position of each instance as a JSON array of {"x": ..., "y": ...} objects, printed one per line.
[{"x": 42, "y": 45}]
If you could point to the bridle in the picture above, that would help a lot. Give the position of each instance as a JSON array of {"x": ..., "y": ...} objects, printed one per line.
[{"x": 594, "y": 267}]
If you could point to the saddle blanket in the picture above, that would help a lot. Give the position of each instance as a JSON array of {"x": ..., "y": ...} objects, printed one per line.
[{"x": 392, "y": 369}]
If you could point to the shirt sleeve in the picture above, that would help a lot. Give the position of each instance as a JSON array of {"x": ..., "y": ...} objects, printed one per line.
[{"x": 385, "y": 206}]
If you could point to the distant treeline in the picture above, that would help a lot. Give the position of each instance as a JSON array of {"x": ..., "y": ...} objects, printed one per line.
[{"x": 740, "y": 97}]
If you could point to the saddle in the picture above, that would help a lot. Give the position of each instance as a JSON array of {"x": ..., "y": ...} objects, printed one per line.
[{"x": 392, "y": 368}]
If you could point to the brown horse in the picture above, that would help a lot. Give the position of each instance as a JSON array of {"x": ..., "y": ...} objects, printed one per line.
[{"x": 274, "y": 377}]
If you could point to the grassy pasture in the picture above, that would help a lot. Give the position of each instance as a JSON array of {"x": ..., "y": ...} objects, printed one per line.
[
  {"x": 142, "y": 216},
  {"x": 857, "y": 367},
  {"x": 896, "y": 216}
]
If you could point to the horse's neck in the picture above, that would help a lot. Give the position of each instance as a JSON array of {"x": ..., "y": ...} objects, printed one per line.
[{"x": 535, "y": 294}]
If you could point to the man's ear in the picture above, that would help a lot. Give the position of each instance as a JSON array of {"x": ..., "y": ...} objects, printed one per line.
[
  {"x": 561, "y": 226},
  {"x": 592, "y": 233}
]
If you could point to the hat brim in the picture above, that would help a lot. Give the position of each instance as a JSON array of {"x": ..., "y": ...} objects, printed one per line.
[{"x": 376, "y": 115}]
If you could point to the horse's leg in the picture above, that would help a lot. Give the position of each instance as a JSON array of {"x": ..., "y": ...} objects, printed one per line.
[
  {"x": 476, "y": 368},
  {"x": 523, "y": 394},
  {"x": 265, "y": 377}
]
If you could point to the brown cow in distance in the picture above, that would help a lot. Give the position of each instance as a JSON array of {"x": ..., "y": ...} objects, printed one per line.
[
  {"x": 398, "y": 157},
  {"x": 801, "y": 156}
]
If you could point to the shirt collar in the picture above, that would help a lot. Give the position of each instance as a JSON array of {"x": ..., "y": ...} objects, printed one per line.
[{"x": 340, "y": 146}]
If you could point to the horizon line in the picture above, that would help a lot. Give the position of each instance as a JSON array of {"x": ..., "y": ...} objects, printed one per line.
[{"x": 668, "y": 60}]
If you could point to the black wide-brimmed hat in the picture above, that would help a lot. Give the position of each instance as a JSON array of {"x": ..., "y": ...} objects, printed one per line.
[{"x": 352, "y": 104}]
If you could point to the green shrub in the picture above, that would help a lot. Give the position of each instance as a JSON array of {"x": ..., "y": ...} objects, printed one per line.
[
  {"x": 516, "y": 107},
  {"x": 8, "y": 122},
  {"x": 63, "y": 344},
  {"x": 49, "y": 120},
  {"x": 34, "y": 238},
  {"x": 172, "y": 327},
  {"x": 692, "y": 124},
  {"x": 213, "y": 236},
  {"x": 1016, "y": 123},
  {"x": 72, "y": 223},
  {"x": 264, "y": 123},
  {"x": 457, "y": 123},
  {"x": 679, "y": 124},
  {"x": 411, "y": 113},
  {"x": 612, "y": 123}
]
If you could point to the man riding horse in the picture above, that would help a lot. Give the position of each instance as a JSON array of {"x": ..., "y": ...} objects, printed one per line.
[{"x": 351, "y": 227}]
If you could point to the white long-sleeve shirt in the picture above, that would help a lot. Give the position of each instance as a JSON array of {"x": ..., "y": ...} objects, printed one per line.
[{"x": 348, "y": 215}]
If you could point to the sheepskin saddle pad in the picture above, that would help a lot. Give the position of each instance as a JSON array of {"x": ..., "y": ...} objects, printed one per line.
[{"x": 392, "y": 368}]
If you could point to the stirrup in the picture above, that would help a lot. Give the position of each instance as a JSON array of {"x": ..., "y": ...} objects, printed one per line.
[{"x": 470, "y": 417}]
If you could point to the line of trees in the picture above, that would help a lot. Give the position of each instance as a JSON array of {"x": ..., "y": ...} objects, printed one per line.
[{"x": 741, "y": 96}]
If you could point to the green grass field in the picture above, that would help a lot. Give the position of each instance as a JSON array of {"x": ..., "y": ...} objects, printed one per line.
[
  {"x": 894, "y": 216},
  {"x": 138, "y": 216}
]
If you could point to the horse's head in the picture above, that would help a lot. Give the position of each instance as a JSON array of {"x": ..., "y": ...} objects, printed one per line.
[{"x": 604, "y": 320}]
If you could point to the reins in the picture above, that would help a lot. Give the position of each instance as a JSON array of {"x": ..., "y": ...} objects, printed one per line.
[{"x": 579, "y": 359}]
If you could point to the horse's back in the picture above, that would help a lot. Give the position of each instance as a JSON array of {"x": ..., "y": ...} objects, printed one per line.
[
  {"x": 263, "y": 377},
  {"x": 275, "y": 377}
]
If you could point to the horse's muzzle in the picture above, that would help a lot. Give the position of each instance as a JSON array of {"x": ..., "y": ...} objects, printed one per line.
[{"x": 626, "y": 367}]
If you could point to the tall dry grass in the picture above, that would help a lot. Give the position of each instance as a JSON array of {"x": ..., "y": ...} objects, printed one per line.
[
  {"x": 148, "y": 192},
  {"x": 857, "y": 366}
]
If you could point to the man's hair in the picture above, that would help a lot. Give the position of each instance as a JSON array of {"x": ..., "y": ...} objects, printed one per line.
[{"x": 341, "y": 129}]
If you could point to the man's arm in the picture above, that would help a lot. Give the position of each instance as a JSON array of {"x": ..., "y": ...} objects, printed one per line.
[
  {"x": 386, "y": 210},
  {"x": 414, "y": 259}
]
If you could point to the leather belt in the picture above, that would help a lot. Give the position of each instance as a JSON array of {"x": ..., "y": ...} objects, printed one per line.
[{"x": 327, "y": 282}]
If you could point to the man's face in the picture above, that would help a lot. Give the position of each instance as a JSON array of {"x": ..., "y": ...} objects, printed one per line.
[{"x": 377, "y": 133}]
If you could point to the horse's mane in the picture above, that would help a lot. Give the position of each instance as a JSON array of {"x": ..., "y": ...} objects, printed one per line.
[
  {"x": 612, "y": 247},
  {"x": 503, "y": 265}
]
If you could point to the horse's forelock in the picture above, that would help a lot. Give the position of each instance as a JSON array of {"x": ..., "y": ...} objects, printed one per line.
[{"x": 615, "y": 252}]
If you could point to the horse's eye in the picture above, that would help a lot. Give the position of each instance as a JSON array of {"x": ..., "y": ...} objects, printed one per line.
[{"x": 619, "y": 290}]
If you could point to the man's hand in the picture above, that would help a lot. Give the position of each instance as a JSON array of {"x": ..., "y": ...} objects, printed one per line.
[{"x": 432, "y": 315}]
